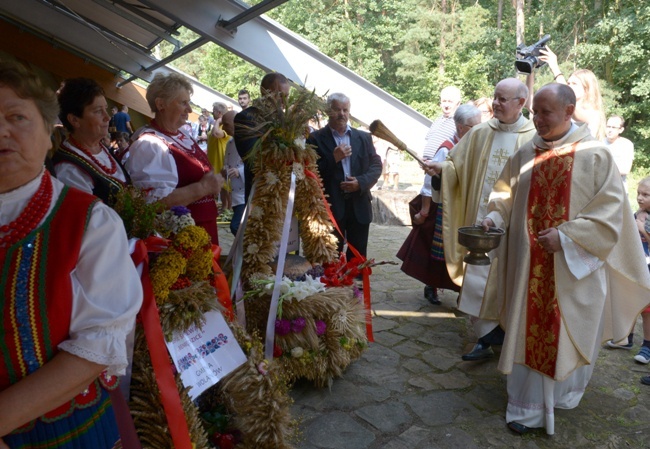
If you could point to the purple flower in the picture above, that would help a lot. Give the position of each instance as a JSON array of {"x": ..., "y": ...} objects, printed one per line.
[
  {"x": 282, "y": 327},
  {"x": 357, "y": 293},
  {"x": 321, "y": 327},
  {"x": 298, "y": 324},
  {"x": 180, "y": 210}
]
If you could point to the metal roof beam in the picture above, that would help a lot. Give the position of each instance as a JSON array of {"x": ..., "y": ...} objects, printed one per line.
[
  {"x": 137, "y": 21},
  {"x": 88, "y": 41},
  {"x": 250, "y": 13},
  {"x": 137, "y": 10},
  {"x": 163, "y": 62},
  {"x": 269, "y": 45}
]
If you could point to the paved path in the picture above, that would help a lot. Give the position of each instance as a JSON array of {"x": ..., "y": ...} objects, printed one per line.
[{"x": 411, "y": 390}]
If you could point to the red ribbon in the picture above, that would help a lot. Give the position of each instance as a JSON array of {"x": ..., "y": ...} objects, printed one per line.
[
  {"x": 169, "y": 396},
  {"x": 221, "y": 284},
  {"x": 365, "y": 272}
]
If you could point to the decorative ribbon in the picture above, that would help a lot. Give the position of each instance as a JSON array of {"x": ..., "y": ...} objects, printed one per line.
[
  {"x": 169, "y": 396},
  {"x": 365, "y": 272},
  {"x": 221, "y": 284},
  {"x": 237, "y": 256},
  {"x": 279, "y": 271}
]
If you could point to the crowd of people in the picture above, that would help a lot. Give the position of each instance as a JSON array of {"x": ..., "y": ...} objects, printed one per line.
[{"x": 570, "y": 271}]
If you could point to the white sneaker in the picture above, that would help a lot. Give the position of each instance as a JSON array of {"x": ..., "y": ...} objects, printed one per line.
[{"x": 643, "y": 356}]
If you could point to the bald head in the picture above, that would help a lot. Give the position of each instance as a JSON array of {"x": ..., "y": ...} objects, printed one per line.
[
  {"x": 509, "y": 98},
  {"x": 563, "y": 94},
  {"x": 553, "y": 105}
]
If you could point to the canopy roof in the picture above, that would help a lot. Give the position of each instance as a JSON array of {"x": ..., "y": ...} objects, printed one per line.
[{"x": 120, "y": 36}]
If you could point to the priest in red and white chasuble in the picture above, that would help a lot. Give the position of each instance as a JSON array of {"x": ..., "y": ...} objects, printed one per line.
[{"x": 560, "y": 306}]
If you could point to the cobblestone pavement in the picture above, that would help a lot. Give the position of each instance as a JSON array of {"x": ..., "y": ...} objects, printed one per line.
[{"x": 411, "y": 390}]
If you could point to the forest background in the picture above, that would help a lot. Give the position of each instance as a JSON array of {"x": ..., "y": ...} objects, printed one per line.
[{"x": 413, "y": 48}]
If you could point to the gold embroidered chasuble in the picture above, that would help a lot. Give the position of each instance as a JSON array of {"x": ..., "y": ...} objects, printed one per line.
[
  {"x": 463, "y": 177},
  {"x": 599, "y": 223}
]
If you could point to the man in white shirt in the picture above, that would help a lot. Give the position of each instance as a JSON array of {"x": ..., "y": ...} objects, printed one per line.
[{"x": 622, "y": 149}]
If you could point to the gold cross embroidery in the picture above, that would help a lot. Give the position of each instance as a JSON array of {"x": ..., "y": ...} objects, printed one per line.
[
  {"x": 500, "y": 156},
  {"x": 492, "y": 178}
]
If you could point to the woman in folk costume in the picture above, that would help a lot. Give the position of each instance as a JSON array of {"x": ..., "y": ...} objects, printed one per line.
[
  {"x": 64, "y": 320},
  {"x": 169, "y": 163},
  {"x": 82, "y": 160}
]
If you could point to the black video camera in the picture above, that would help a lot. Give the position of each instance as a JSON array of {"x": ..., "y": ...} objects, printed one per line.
[{"x": 528, "y": 57}]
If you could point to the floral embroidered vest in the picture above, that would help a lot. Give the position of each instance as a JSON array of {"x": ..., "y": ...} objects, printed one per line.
[{"x": 36, "y": 295}]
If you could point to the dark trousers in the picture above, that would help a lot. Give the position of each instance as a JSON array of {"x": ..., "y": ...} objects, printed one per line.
[
  {"x": 355, "y": 232},
  {"x": 237, "y": 212}
]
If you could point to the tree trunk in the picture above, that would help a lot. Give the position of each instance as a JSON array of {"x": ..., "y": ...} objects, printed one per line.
[
  {"x": 520, "y": 21},
  {"x": 499, "y": 17},
  {"x": 441, "y": 64}
]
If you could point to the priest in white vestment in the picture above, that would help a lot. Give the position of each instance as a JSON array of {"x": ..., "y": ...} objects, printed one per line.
[
  {"x": 468, "y": 176},
  {"x": 574, "y": 272}
]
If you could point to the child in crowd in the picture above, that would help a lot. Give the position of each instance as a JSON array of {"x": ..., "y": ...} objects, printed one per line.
[{"x": 643, "y": 225}]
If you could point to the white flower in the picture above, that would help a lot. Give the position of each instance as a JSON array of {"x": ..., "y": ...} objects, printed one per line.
[
  {"x": 290, "y": 290},
  {"x": 300, "y": 142},
  {"x": 270, "y": 178},
  {"x": 297, "y": 352}
]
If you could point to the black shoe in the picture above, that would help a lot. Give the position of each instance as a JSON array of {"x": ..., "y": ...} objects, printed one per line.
[
  {"x": 518, "y": 428},
  {"x": 480, "y": 351},
  {"x": 431, "y": 295},
  {"x": 645, "y": 380}
]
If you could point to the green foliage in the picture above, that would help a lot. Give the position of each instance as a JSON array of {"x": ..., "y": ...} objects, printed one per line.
[
  {"x": 138, "y": 215},
  {"x": 413, "y": 48}
]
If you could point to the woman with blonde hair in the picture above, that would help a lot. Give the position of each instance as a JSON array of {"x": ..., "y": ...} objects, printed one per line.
[
  {"x": 168, "y": 163},
  {"x": 589, "y": 107}
]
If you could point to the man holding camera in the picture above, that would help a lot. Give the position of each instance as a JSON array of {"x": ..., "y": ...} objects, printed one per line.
[{"x": 467, "y": 177}]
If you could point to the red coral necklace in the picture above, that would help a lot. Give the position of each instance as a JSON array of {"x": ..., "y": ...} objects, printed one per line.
[
  {"x": 109, "y": 170},
  {"x": 31, "y": 215}
]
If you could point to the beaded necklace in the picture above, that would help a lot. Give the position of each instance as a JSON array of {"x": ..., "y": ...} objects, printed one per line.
[
  {"x": 194, "y": 151},
  {"x": 113, "y": 167},
  {"x": 31, "y": 215}
]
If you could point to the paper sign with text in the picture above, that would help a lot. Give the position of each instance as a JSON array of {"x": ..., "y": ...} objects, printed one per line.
[{"x": 203, "y": 356}]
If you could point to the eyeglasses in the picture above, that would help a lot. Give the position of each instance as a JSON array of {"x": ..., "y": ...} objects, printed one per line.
[
  {"x": 613, "y": 127},
  {"x": 504, "y": 99}
]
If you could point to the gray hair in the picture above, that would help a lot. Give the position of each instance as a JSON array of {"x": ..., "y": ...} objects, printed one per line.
[
  {"x": 465, "y": 113},
  {"x": 166, "y": 87},
  {"x": 221, "y": 107},
  {"x": 337, "y": 96}
]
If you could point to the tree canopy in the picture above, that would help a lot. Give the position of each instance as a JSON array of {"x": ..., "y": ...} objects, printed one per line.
[{"x": 413, "y": 48}]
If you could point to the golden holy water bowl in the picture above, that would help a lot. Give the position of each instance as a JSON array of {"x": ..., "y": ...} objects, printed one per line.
[{"x": 479, "y": 242}]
